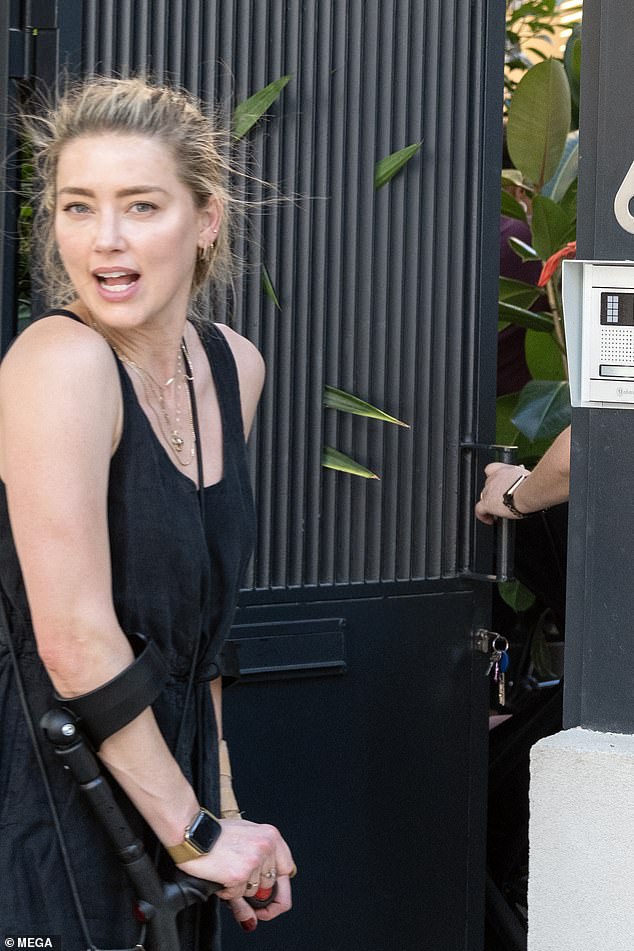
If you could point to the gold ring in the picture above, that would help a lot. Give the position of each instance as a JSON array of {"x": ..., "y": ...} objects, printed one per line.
[
  {"x": 270, "y": 873},
  {"x": 293, "y": 872},
  {"x": 252, "y": 885}
]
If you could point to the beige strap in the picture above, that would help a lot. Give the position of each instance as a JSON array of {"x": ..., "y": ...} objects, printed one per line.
[{"x": 229, "y": 808}]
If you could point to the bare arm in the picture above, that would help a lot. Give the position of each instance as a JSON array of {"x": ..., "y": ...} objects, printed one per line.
[
  {"x": 59, "y": 415},
  {"x": 547, "y": 485}
]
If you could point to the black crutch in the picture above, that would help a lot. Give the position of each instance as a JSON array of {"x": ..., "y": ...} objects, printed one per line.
[{"x": 158, "y": 902}]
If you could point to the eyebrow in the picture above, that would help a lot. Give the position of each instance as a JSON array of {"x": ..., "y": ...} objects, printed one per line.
[{"x": 122, "y": 193}]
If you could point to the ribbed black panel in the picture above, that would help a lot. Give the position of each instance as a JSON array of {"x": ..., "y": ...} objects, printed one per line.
[{"x": 378, "y": 290}]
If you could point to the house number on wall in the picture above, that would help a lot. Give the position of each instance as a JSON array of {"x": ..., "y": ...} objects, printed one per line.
[{"x": 622, "y": 201}]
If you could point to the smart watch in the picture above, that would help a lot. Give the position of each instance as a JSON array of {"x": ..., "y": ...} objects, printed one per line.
[
  {"x": 200, "y": 836},
  {"x": 507, "y": 498}
]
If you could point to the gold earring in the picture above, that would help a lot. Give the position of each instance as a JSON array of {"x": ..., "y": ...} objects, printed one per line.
[{"x": 204, "y": 252}]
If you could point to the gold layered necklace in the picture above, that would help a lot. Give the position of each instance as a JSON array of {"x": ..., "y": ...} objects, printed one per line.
[{"x": 179, "y": 436}]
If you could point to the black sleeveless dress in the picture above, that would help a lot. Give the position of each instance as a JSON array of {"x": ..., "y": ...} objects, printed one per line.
[{"x": 174, "y": 579}]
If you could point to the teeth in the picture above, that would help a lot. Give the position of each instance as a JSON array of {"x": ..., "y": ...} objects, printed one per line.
[
  {"x": 112, "y": 274},
  {"x": 118, "y": 287}
]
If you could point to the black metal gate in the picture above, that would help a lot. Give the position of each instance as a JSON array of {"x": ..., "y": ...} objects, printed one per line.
[{"x": 360, "y": 715}]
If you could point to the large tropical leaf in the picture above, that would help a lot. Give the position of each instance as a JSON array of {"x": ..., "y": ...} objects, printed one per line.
[
  {"x": 539, "y": 121},
  {"x": 543, "y": 409},
  {"x": 333, "y": 459},
  {"x": 518, "y": 292},
  {"x": 551, "y": 227},
  {"x": 507, "y": 433},
  {"x": 247, "y": 113},
  {"x": 572, "y": 65},
  {"x": 543, "y": 356},
  {"x": 386, "y": 169},
  {"x": 511, "y": 208},
  {"x": 525, "y": 318},
  {"x": 569, "y": 201},
  {"x": 347, "y": 403},
  {"x": 516, "y": 595},
  {"x": 523, "y": 250},
  {"x": 566, "y": 172}
]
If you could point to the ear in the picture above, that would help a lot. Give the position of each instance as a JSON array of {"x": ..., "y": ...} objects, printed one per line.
[{"x": 210, "y": 222}]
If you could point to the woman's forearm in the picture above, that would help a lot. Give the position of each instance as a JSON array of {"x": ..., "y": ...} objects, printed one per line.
[{"x": 549, "y": 482}]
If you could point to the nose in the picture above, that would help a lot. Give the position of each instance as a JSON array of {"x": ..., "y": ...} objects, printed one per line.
[{"x": 108, "y": 232}]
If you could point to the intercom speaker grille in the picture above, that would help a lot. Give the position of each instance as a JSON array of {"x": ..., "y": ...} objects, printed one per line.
[{"x": 617, "y": 346}]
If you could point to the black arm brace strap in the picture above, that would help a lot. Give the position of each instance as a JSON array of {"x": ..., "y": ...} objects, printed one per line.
[{"x": 110, "y": 707}]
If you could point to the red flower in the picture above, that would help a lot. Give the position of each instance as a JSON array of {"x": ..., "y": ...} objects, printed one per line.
[{"x": 550, "y": 266}]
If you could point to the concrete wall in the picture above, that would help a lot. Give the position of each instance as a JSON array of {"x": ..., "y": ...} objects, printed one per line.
[{"x": 581, "y": 884}]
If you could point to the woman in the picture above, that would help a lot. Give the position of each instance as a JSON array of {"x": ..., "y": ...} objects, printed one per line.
[{"x": 112, "y": 410}]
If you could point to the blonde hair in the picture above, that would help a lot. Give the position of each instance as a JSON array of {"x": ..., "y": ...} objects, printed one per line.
[{"x": 132, "y": 107}]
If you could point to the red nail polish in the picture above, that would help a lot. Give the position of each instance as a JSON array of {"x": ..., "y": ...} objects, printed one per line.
[
  {"x": 249, "y": 924},
  {"x": 263, "y": 893}
]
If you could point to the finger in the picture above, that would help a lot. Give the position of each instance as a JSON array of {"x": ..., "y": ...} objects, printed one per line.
[
  {"x": 244, "y": 914},
  {"x": 253, "y": 883},
  {"x": 268, "y": 875},
  {"x": 284, "y": 862},
  {"x": 281, "y": 903},
  {"x": 492, "y": 467},
  {"x": 483, "y": 514}
]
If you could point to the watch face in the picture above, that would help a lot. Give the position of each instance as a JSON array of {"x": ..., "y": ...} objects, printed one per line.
[{"x": 204, "y": 831}]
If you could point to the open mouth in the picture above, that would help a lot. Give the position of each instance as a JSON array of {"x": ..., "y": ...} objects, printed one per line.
[{"x": 117, "y": 281}]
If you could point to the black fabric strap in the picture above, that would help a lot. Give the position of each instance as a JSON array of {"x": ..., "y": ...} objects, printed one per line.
[{"x": 110, "y": 707}]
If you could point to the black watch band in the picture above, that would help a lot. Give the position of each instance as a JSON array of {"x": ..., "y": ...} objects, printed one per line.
[{"x": 507, "y": 498}]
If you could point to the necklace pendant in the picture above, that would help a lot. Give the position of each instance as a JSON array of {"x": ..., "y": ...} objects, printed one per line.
[{"x": 177, "y": 441}]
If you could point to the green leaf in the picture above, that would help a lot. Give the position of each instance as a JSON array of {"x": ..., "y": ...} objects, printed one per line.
[
  {"x": 347, "y": 403},
  {"x": 550, "y": 226},
  {"x": 267, "y": 285},
  {"x": 569, "y": 201},
  {"x": 539, "y": 121},
  {"x": 566, "y": 172},
  {"x": 516, "y": 595},
  {"x": 524, "y": 250},
  {"x": 333, "y": 459},
  {"x": 507, "y": 434},
  {"x": 572, "y": 65},
  {"x": 543, "y": 409},
  {"x": 510, "y": 207},
  {"x": 525, "y": 318},
  {"x": 386, "y": 169},
  {"x": 533, "y": 9},
  {"x": 518, "y": 292},
  {"x": 543, "y": 356},
  {"x": 247, "y": 113}
]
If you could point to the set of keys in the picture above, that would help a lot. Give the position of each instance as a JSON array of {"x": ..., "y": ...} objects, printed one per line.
[{"x": 499, "y": 664}]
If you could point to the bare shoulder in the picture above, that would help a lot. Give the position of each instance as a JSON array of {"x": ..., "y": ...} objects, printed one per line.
[
  {"x": 55, "y": 346},
  {"x": 248, "y": 358},
  {"x": 251, "y": 372},
  {"x": 59, "y": 377}
]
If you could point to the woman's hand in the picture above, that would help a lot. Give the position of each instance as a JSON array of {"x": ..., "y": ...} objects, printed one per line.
[
  {"x": 499, "y": 478},
  {"x": 247, "y": 856}
]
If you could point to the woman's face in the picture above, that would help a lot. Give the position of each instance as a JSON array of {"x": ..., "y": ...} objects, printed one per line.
[{"x": 128, "y": 230}]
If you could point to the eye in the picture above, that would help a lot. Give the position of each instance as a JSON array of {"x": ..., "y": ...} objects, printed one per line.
[
  {"x": 143, "y": 207},
  {"x": 76, "y": 208}
]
